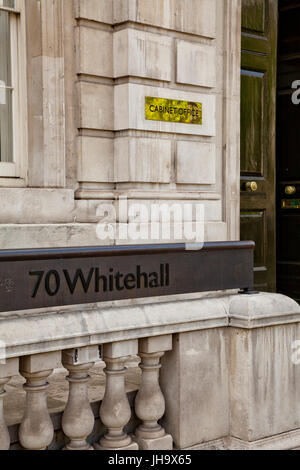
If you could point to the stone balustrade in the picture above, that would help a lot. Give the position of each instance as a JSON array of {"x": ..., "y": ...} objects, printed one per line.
[
  {"x": 36, "y": 430},
  {"x": 217, "y": 370}
]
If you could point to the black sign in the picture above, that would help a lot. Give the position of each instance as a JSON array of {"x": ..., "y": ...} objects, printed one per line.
[{"x": 55, "y": 277}]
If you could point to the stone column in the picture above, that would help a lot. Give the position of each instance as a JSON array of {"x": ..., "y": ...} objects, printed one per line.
[
  {"x": 194, "y": 380},
  {"x": 264, "y": 358},
  {"x": 46, "y": 94},
  {"x": 7, "y": 370},
  {"x": 36, "y": 430},
  {"x": 115, "y": 410},
  {"x": 78, "y": 418},
  {"x": 150, "y": 402}
]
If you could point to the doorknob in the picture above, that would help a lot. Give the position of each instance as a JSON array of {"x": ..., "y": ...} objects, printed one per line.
[
  {"x": 251, "y": 186},
  {"x": 290, "y": 190}
]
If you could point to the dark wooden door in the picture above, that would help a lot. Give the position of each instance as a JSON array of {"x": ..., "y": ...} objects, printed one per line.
[
  {"x": 258, "y": 113},
  {"x": 288, "y": 150}
]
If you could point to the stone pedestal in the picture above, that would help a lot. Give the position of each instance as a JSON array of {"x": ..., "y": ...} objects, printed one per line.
[{"x": 164, "y": 442}]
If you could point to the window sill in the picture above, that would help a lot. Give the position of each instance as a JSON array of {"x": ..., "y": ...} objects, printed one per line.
[{"x": 8, "y": 182}]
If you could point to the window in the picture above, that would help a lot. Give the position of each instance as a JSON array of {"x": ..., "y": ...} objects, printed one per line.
[{"x": 11, "y": 57}]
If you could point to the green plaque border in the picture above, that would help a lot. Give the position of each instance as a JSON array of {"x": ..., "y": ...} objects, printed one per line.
[{"x": 290, "y": 203}]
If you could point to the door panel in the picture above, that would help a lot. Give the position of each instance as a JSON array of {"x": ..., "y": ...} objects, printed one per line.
[
  {"x": 288, "y": 149},
  {"x": 254, "y": 15},
  {"x": 255, "y": 224},
  {"x": 258, "y": 112},
  {"x": 252, "y": 84}
]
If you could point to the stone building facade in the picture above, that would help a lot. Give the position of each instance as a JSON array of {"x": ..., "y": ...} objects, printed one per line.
[
  {"x": 74, "y": 102},
  {"x": 86, "y": 67}
]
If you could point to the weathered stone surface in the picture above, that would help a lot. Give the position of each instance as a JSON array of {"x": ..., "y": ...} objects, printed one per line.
[
  {"x": 265, "y": 373},
  {"x": 96, "y": 10},
  {"x": 95, "y": 159},
  {"x": 195, "y": 163},
  {"x": 112, "y": 323},
  {"x": 49, "y": 235},
  {"x": 190, "y": 16},
  {"x": 87, "y": 211},
  {"x": 284, "y": 441},
  {"x": 196, "y": 64},
  {"x": 131, "y": 446},
  {"x": 83, "y": 232},
  {"x": 194, "y": 381},
  {"x": 142, "y": 160},
  {"x": 101, "y": 63},
  {"x": 79, "y": 356},
  {"x": 160, "y": 443},
  {"x": 264, "y": 382},
  {"x": 155, "y": 344},
  {"x": 120, "y": 349},
  {"x": 29, "y": 205},
  {"x": 42, "y": 101},
  {"x": 40, "y": 362},
  {"x": 96, "y": 106},
  {"x": 215, "y": 231},
  {"x": 259, "y": 310},
  {"x": 180, "y": 211},
  {"x": 8, "y": 367},
  {"x": 142, "y": 54}
]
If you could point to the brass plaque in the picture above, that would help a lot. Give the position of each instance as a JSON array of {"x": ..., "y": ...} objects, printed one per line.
[
  {"x": 162, "y": 109},
  {"x": 290, "y": 203}
]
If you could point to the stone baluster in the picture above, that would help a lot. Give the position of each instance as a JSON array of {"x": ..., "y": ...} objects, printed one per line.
[
  {"x": 115, "y": 410},
  {"x": 36, "y": 430},
  {"x": 78, "y": 418},
  {"x": 149, "y": 401},
  {"x": 7, "y": 370}
]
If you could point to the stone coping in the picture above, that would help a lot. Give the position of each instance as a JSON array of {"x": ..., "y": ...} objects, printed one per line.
[
  {"x": 66, "y": 328},
  {"x": 261, "y": 310}
]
